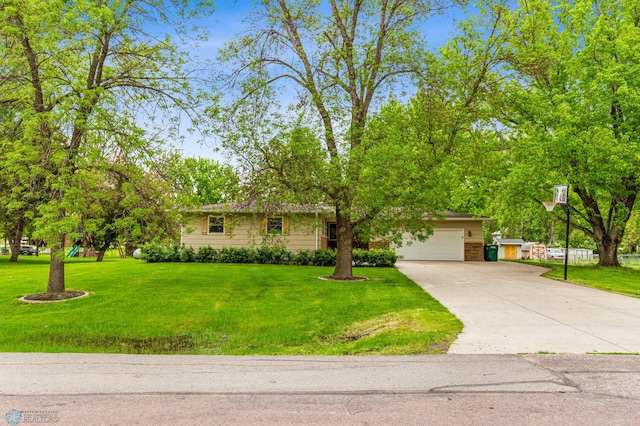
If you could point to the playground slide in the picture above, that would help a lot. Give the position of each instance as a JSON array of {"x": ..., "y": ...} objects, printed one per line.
[{"x": 74, "y": 250}]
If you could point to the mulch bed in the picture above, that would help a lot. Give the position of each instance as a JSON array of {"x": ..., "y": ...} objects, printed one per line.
[
  {"x": 53, "y": 297},
  {"x": 332, "y": 278}
]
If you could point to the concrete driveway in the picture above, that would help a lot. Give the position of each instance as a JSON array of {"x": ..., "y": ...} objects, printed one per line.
[{"x": 507, "y": 308}]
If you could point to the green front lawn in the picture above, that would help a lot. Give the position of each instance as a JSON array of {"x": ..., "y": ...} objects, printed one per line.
[
  {"x": 619, "y": 280},
  {"x": 221, "y": 309}
]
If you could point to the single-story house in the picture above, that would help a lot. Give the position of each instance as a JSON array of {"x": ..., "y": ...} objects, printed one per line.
[
  {"x": 509, "y": 248},
  {"x": 297, "y": 227}
]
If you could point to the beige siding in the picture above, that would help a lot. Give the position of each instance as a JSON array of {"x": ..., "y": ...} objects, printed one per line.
[
  {"x": 475, "y": 226},
  {"x": 247, "y": 231}
]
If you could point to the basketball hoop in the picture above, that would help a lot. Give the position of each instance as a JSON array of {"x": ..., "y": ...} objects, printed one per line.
[{"x": 550, "y": 205}]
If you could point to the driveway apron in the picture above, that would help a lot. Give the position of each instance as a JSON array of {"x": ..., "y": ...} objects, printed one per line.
[{"x": 507, "y": 308}]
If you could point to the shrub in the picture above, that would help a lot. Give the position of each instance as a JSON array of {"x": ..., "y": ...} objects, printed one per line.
[
  {"x": 264, "y": 255},
  {"x": 245, "y": 255},
  {"x": 280, "y": 255},
  {"x": 159, "y": 253},
  {"x": 237, "y": 255},
  {"x": 188, "y": 254},
  {"x": 276, "y": 255},
  {"x": 302, "y": 257},
  {"x": 360, "y": 257},
  {"x": 226, "y": 255},
  {"x": 324, "y": 257},
  {"x": 150, "y": 252},
  {"x": 173, "y": 253},
  {"x": 207, "y": 255},
  {"x": 375, "y": 257},
  {"x": 382, "y": 258}
]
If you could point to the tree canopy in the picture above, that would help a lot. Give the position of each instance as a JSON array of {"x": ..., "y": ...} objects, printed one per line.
[
  {"x": 70, "y": 71},
  {"x": 200, "y": 181},
  {"x": 339, "y": 62},
  {"x": 569, "y": 101}
]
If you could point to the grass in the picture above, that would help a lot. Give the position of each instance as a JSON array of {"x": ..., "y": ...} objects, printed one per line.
[
  {"x": 621, "y": 280},
  {"x": 221, "y": 309}
]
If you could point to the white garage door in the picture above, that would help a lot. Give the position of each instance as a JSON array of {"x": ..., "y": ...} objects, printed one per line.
[{"x": 444, "y": 244}]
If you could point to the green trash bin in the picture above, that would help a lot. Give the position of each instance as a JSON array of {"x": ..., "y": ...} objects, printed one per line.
[{"x": 491, "y": 253}]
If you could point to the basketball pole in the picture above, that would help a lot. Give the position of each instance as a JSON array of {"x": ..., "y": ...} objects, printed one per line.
[
  {"x": 561, "y": 196},
  {"x": 566, "y": 243}
]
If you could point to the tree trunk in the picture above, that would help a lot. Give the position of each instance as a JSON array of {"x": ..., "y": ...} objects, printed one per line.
[
  {"x": 344, "y": 230},
  {"x": 101, "y": 253},
  {"x": 14, "y": 243},
  {"x": 15, "y": 250},
  {"x": 608, "y": 251},
  {"x": 128, "y": 249},
  {"x": 56, "y": 269},
  {"x": 608, "y": 233}
]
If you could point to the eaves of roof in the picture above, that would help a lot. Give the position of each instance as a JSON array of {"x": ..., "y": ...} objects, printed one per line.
[
  {"x": 255, "y": 208},
  {"x": 303, "y": 208}
]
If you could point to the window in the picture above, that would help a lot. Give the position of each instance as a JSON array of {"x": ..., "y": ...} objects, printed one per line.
[
  {"x": 216, "y": 224},
  {"x": 275, "y": 225}
]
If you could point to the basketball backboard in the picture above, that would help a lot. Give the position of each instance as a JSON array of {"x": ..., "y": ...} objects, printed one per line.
[{"x": 561, "y": 194}]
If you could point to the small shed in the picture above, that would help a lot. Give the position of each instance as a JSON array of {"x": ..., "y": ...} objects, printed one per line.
[
  {"x": 537, "y": 252},
  {"x": 534, "y": 251},
  {"x": 509, "y": 248}
]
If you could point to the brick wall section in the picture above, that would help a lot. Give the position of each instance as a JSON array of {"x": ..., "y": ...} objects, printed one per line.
[
  {"x": 473, "y": 252},
  {"x": 378, "y": 245}
]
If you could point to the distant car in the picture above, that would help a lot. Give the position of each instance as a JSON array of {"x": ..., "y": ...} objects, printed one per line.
[
  {"x": 555, "y": 254},
  {"x": 28, "y": 250}
]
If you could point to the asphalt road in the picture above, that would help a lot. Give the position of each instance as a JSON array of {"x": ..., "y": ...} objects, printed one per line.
[{"x": 84, "y": 389}]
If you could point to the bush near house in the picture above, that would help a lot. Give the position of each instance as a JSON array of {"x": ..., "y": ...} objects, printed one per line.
[{"x": 264, "y": 255}]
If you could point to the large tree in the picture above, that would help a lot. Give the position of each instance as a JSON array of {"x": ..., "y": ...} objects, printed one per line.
[
  {"x": 127, "y": 204},
  {"x": 337, "y": 62},
  {"x": 199, "y": 181},
  {"x": 21, "y": 181},
  {"x": 72, "y": 68},
  {"x": 135, "y": 199},
  {"x": 570, "y": 101}
]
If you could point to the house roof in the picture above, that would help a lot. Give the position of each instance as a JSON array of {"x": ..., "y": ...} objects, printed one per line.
[
  {"x": 250, "y": 207},
  {"x": 509, "y": 241},
  {"x": 247, "y": 207},
  {"x": 528, "y": 245},
  {"x": 449, "y": 215}
]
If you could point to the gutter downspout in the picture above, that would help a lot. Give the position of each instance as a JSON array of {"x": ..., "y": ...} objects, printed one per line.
[{"x": 317, "y": 225}]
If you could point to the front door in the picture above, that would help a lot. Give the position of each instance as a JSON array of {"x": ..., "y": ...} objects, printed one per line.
[{"x": 332, "y": 236}]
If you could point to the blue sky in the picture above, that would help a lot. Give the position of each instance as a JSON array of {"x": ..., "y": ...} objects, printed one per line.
[{"x": 227, "y": 21}]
